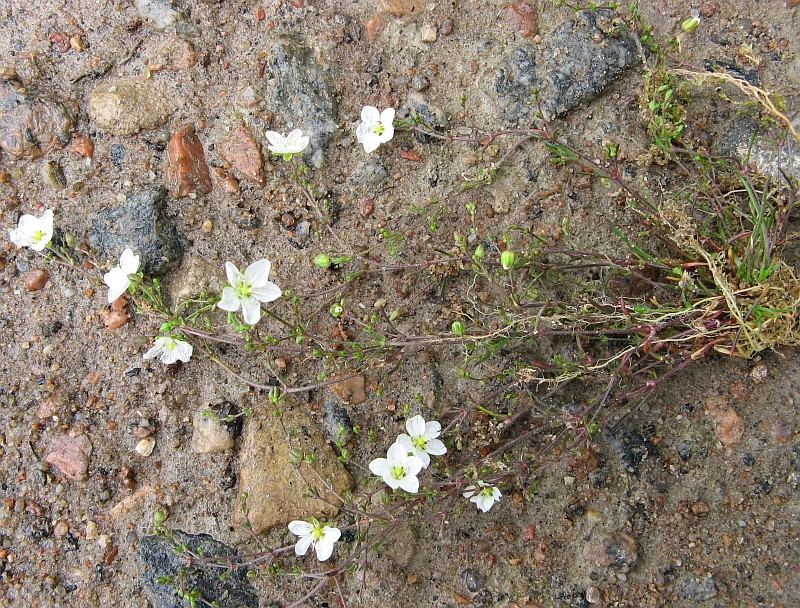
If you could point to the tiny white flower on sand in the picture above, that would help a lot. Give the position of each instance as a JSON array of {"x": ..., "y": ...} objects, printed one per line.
[
  {"x": 314, "y": 534},
  {"x": 398, "y": 469},
  {"x": 34, "y": 232},
  {"x": 422, "y": 439},
  {"x": 247, "y": 290},
  {"x": 118, "y": 278},
  {"x": 375, "y": 128},
  {"x": 170, "y": 350},
  {"x": 484, "y": 496},
  {"x": 287, "y": 146}
]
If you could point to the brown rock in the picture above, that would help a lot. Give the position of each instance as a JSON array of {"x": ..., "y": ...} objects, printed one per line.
[
  {"x": 403, "y": 8},
  {"x": 366, "y": 207},
  {"x": 243, "y": 152},
  {"x": 708, "y": 9},
  {"x": 521, "y": 16},
  {"x": 30, "y": 125},
  {"x": 114, "y": 319},
  {"x": 275, "y": 483},
  {"x": 185, "y": 168},
  {"x": 350, "y": 390},
  {"x": 83, "y": 146},
  {"x": 617, "y": 550},
  {"x": 727, "y": 424},
  {"x": 70, "y": 455},
  {"x": 374, "y": 25},
  {"x": 36, "y": 279}
]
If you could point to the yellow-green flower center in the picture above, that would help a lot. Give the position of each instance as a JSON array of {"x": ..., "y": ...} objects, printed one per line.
[
  {"x": 398, "y": 472},
  {"x": 378, "y": 129},
  {"x": 170, "y": 344},
  {"x": 316, "y": 532},
  {"x": 486, "y": 492},
  {"x": 38, "y": 236},
  {"x": 420, "y": 442},
  {"x": 243, "y": 290}
]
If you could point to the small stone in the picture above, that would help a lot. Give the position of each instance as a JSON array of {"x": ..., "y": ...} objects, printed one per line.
[
  {"x": 708, "y": 9},
  {"x": 114, "y": 319},
  {"x": 60, "y": 529},
  {"x": 350, "y": 390},
  {"x": 83, "y": 146},
  {"x": 209, "y": 435},
  {"x": 158, "y": 14},
  {"x": 593, "y": 595},
  {"x": 403, "y": 8},
  {"x": 36, "y": 279},
  {"x": 617, "y": 550},
  {"x": 728, "y": 425},
  {"x": 521, "y": 16},
  {"x": 243, "y": 152},
  {"x": 337, "y": 424},
  {"x": 70, "y": 455},
  {"x": 366, "y": 207},
  {"x": 146, "y": 446},
  {"x": 374, "y": 25},
  {"x": 185, "y": 168},
  {"x": 248, "y": 97},
  {"x": 696, "y": 588},
  {"x": 472, "y": 579},
  {"x": 194, "y": 276},
  {"x": 427, "y": 32},
  {"x": 31, "y": 125},
  {"x": 207, "y": 226},
  {"x": 759, "y": 373},
  {"x": 125, "y": 107},
  {"x": 91, "y": 530},
  {"x": 182, "y": 55},
  {"x": 53, "y": 176},
  {"x": 419, "y": 83}
]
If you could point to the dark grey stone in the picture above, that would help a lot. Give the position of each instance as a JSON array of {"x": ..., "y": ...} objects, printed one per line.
[
  {"x": 157, "y": 558},
  {"x": 696, "y": 588},
  {"x": 299, "y": 90},
  {"x": 632, "y": 448},
  {"x": 472, "y": 579},
  {"x": 141, "y": 224},
  {"x": 577, "y": 62},
  {"x": 337, "y": 424},
  {"x": 369, "y": 174}
]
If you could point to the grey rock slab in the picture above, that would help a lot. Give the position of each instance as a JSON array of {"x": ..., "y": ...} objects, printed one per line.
[
  {"x": 158, "y": 14},
  {"x": 743, "y": 139},
  {"x": 299, "y": 91},
  {"x": 140, "y": 223},
  {"x": 369, "y": 174},
  {"x": 157, "y": 558},
  {"x": 125, "y": 107},
  {"x": 573, "y": 66},
  {"x": 275, "y": 483},
  {"x": 195, "y": 275},
  {"x": 696, "y": 588},
  {"x": 209, "y": 434}
]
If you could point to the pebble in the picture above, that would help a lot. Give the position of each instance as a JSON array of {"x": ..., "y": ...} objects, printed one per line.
[
  {"x": 209, "y": 434},
  {"x": 472, "y": 579},
  {"x": 366, "y": 207},
  {"x": 351, "y": 390},
  {"x": 91, "y": 530},
  {"x": 696, "y": 588},
  {"x": 207, "y": 226},
  {"x": 428, "y": 33},
  {"x": 728, "y": 425},
  {"x": 70, "y": 455},
  {"x": 403, "y": 8},
  {"x": 521, "y": 16},
  {"x": 420, "y": 83},
  {"x": 83, "y": 146},
  {"x": 146, "y": 446},
  {"x": 158, "y": 14},
  {"x": 185, "y": 168},
  {"x": 617, "y": 550},
  {"x": 593, "y": 595},
  {"x": 127, "y": 106},
  {"x": 337, "y": 424},
  {"x": 53, "y": 176},
  {"x": 242, "y": 151},
  {"x": 114, "y": 319},
  {"x": 36, "y": 279}
]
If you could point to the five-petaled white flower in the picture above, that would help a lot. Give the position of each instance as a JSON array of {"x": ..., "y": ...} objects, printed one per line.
[
  {"x": 375, "y": 128},
  {"x": 34, "y": 232},
  {"x": 398, "y": 469},
  {"x": 118, "y": 278},
  {"x": 422, "y": 439},
  {"x": 484, "y": 496},
  {"x": 287, "y": 146},
  {"x": 170, "y": 350},
  {"x": 314, "y": 534},
  {"x": 248, "y": 290}
]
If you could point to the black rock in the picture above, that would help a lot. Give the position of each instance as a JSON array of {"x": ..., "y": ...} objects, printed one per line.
[
  {"x": 158, "y": 561},
  {"x": 141, "y": 224},
  {"x": 337, "y": 424},
  {"x": 632, "y": 448},
  {"x": 581, "y": 58},
  {"x": 299, "y": 87},
  {"x": 696, "y": 588}
]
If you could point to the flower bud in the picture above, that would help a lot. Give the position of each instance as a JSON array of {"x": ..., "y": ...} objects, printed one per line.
[
  {"x": 336, "y": 310},
  {"x": 322, "y": 260},
  {"x": 690, "y": 25},
  {"x": 507, "y": 259},
  {"x": 457, "y": 328}
]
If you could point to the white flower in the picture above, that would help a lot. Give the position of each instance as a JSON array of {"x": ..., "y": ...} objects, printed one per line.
[
  {"x": 422, "y": 439},
  {"x": 170, "y": 350},
  {"x": 118, "y": 278},
  {"x": 398, "y": 469},
  {"x": 375, "y": 128},
  {"x": 484, "y": 497},
  {"x": 294, "y": 143},
  {"x": 34, "y": 232},
  {"x": 248, "y": 290},
  {"x": 314, "y": 534}
]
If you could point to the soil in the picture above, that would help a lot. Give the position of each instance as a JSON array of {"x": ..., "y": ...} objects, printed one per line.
[{"x": 665, "y": 509}]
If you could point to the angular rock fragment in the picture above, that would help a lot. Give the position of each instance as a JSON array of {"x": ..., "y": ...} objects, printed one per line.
[
  {"x": 140, "y": 223},
  {"x": 243, "y": 152},
  {"x": 185, "y": 168},
  {"x": 125, "y": 107},
  {"x": 31, "y": 125},
  {"x": 70, "y": 455}
]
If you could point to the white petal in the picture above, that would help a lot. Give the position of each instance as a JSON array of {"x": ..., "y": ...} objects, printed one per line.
[
  {"x": 301, "y": 548},
  {"x": 129, "y": 261},
  {"x": 300, "y": 527},
  {"x": 230, "y": 301},
  {"x": 154, "y": 351},
  {"x": 268, "y": 293},
  {"x": 324, "y": 549},
  {"x": 251, "y": 311},
  {"x": 275, "y": 139},
  {"x": 412, "y": 465},
  {"x": 423, "y": 457},
  {"x": 387, "y": 117},
  {"x": 257, "y": 273},
  {"x": 303, "y": 142},
  {"x": 117, "y": 281},
  {"x": 169, "y": 356},
  {"x": 370, "y": 115},
  {"x": 396, "y": 454},
  {"x": 410, "y": 484},
  {"x": 496, "y": 494},
  {"x": 405, "y": 441},
  {"x": 469, "y": 491},
  {"x": 379, "y": 467},
  {"x": 484, "y": 503},
  {"x": 390, "y": 481},
  {"x": 361, "y": 132},
  {"x": 234, "y": 276},
  {"x": 432, "y": 429},
  {"x": 435, "y": 447},
  {"x": 183, "y": 350},
  {"x": 371, "y": 142},
  {"x": 331, "y": 534},
  {"x": 416, "y": 426},
  {"x": 16, "y": 237}
]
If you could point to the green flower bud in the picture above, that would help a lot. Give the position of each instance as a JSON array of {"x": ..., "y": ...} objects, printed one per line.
[
  {"x": 322, "y": 260},
  {"x": 690, "y": 25},
  {"x": 507, "y": 259},
  {"x": 457, "y": 328},
  {"x": 336, "y": 310}
]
